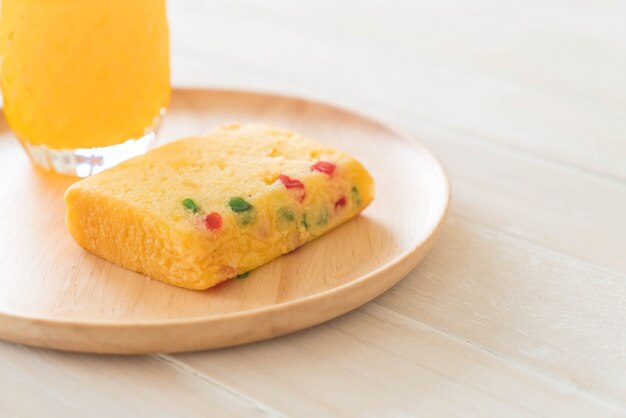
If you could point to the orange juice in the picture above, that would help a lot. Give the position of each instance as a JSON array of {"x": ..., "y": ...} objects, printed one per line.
[{"x": 83, "y": 74}]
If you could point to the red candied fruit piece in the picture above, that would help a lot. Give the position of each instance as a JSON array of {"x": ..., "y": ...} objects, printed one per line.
[
  {"x": 341, "y": 202},
  {"x": 213, "y": 221},
  {"x": 324, "y": 167},
  {"x": 290, "y": 183}
]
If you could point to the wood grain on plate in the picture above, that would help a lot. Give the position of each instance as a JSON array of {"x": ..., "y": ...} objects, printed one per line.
[{"x": 54, "y": 294}]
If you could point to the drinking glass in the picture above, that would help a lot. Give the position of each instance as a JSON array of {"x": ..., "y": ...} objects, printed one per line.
[{"x": 84, "y": 82}]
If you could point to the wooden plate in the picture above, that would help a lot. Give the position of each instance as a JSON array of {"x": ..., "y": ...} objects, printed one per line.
[{"x": 54, "y": 294}]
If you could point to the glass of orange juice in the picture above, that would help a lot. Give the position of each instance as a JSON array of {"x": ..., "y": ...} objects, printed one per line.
[{"x": 84, "y": 82}]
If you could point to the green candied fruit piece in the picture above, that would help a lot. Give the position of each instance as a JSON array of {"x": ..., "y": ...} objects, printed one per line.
[
  {"x": 246, "y": 218},
  {"x": 305, "y": 223},
  {"x": 323, "y": 218},
  {"x": 191, "y": 206},
  {"x": 356, "y": 197},
  {"x": 286, "y": 214},
  {"x": 243, "y": 275},
  {"x": 238, "y": 204}
]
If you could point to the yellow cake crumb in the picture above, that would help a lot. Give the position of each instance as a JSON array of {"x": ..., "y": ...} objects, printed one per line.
[{"x": 202, "y": 210}]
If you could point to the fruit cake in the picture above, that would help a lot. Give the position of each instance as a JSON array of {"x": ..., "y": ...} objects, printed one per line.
[{"x": 202, "y": 210}]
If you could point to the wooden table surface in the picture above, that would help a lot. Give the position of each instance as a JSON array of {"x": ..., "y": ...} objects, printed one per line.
[{"x": 520, "y": 309}]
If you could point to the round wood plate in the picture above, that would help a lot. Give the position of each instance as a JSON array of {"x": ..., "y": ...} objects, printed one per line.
[{"x": 54, "y": 294}]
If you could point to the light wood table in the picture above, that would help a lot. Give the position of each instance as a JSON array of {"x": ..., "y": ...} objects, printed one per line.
[{"x": 520, "y": 309}]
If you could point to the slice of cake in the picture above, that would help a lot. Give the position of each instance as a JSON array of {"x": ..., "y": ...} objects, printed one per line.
[{"x": 199, "y": 211}]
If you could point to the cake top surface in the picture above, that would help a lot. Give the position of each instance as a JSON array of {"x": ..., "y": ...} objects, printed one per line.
[{"x": 233, "y": 161}]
